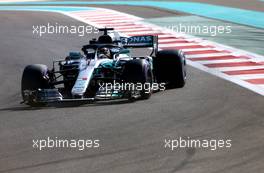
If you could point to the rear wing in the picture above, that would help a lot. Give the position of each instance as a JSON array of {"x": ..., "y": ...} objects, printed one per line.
[{"x": 140, "y": 41}]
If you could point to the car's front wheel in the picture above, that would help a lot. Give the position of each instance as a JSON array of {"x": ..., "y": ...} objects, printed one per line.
[{"x": 34, "y": 77}]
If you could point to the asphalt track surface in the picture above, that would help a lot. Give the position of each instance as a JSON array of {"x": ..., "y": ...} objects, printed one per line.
[{"x": 131, "y": 134}]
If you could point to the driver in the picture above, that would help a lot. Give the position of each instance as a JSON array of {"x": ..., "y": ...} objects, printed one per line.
[{"x": 104, "y": 53}]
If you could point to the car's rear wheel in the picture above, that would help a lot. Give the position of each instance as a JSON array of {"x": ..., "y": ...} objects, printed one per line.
[
  {"x": 170, "y": 67},
  {"x": 34, "y": 77},
  {"x": 138, "y": 71}
]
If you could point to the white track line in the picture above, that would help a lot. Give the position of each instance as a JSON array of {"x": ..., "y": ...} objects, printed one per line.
[
  {"x": 197, "y": 49},
  {"x": 223, "y": 69},
  {"x": 166, "y": 35},
  {"x": 129, "y": 27},
  {"x": 164, "y": 40},
  {"x": 112, "y": 21},
  {"x": 223, "y": 61},
  {"x": 250, "y": 76},
  {"x": 262, "y": 86},
  {"x": 208, "y": 55},
  {"x": 139, "y": 33},
  {"x": 178, "y": 44},
  {"x": 133, "y": 29}
]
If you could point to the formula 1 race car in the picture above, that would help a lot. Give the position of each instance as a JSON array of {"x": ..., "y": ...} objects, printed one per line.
[{"x": 106, "y": 70}]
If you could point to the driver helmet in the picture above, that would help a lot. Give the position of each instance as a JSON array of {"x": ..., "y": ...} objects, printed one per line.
[{"x": 104, "y": 53}]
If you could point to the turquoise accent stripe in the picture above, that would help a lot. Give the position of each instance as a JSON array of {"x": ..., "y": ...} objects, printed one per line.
[
  {"x": 235, "y": 15},
  {"x": 43, "y": 8}
]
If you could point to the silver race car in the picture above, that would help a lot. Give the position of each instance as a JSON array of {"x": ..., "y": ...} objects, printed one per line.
[{"x": 105, "y": 70}]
